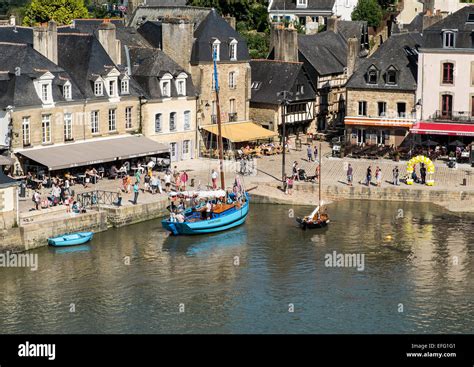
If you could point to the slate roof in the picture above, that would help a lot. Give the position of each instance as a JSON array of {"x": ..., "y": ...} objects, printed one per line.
[
  {"x": 270, "y": 77},
  {"x": 458, "y": 20},
  {"x": 85, "y": 59},
  {"x": 144, "y": 13},
  {"x": 16, "y": 34},
  {"x": 212, "y": 27},
  {"x": 16, "y": 85},
  {"x": 149, "y": 65},
  {"x": 399, "y": 51},
  {"x": 325, "y": 51},
  {"x": 166, "y": 2},
  {"x": 321, "y": 5}
]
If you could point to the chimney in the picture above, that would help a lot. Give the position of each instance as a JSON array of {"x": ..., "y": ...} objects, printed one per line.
[
  {"x": 284, "y": 42},
  {"x": 353, "y": 48},
  {"x": 12, "y": 20},
  {"x": 332, "y": 24},
  {"x": 107, "y": 37},
  {"x": 177, "y": 40},
  {"x": 45, "y": 41},
  {"x": 230, "y": 20}
]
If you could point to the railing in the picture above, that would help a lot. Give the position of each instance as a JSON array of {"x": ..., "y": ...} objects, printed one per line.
[
  {"x": 96, "y": 198},
  {"x": 461, "y": 116},
  {"x": 233, "y": 117}
]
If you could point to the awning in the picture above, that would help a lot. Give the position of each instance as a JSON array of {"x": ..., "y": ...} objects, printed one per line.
[
  {"x": 94, "y": 152},
  {"x": 450, "y": 129},
  {"x": 242, "y": 131}
]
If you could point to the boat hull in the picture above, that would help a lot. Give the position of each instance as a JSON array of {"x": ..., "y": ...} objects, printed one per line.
[
  {"x": 311, "y": 225},
  {"x": 71, "y": 239},
  {"x": 221, "y": 223}
]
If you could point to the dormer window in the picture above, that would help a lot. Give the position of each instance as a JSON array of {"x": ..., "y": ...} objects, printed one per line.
[
  {"x": 391, "y": 76},
  {"x": 301, "y": 3},
  {"x": 98, "y": 88},
  {"x": 124, "y": 86},
  {"x": 44, "y": 92},
  {"x": 67, "y": 91},
  {"x": 112, "y": 88},
  {"x": 372, "y": 75},
  {"x": 449, "y": 39},
  {"x": 165, "y": 89},
  {"x": 216, "y": 50},
  {"x": 181, "y": 84},
  {"x": 233, "y": 50}
]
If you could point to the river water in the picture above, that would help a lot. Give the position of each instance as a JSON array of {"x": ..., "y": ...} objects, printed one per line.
[{"x": 267, "y": 276}]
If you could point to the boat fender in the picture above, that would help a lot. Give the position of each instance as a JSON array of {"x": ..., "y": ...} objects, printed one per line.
[{"x": 173, "y": 229}]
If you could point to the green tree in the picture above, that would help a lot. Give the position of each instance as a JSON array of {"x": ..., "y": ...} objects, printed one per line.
[
  {"x": 61, "y": 11},
  {"x": 368, "y": 10}
]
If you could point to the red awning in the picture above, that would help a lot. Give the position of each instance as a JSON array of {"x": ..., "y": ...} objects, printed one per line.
[{"x": 434, "y": 128}]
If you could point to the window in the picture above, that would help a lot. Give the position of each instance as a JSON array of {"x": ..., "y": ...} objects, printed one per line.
[
  {"x": 67, "y": 127},
  {"x": 112, "y": 119},
  {"x": 382, "y": 108},
  {"x": 232, "y": 105},
  {"x": 25, "y": 128},
  {"x": 124, "y": 86},
  {"x": 112, "y": 88},
  {"x": 448, "y": 39},
  {"x": 173, "y": 121},
  {"x": 181, "y": 86},
  {"x": 165, "y": 89},
  {"x": 232, "y": 80},
  {"x": 67, "y": 91},
  {"x": 256, "y": 85},
  {"x": 158, "y": 123},
  {"x": 446, "y": 105},
  {"x": 301, "y": 3},
  {"x": 216, "y": 49},
  {"x": 128, "y": 117},
  {"x": 46, "y": 128},
  {"x": 233, "y": 50},
  {"x": 448, "y": 73},
  {"x": 94, "y": 122},
  {"x": 44, "y": 92},
  {"x": 362, "y": 108},
  {"x": 391, "y": 76},
  {"x": 186, "y": 144},
  {"x": 98, "y": 88},
  {"x": 372, "y": 76},
  {"x": 187, "y": 120},
  {"x": 299, "y": 89},
  {"x": 472, "y": 106},
  {"x": 401, "y": 109}
]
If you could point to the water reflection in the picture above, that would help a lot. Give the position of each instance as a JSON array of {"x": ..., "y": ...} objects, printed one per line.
[{"x": 135, "y": 279}]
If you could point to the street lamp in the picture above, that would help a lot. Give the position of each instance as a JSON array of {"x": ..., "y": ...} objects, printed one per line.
[{"x": 284, "y": 102}]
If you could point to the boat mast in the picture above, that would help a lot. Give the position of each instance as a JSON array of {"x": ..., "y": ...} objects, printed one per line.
[
  {"x": 219, "y": 128},
  {"x": 320, "y": 170}
]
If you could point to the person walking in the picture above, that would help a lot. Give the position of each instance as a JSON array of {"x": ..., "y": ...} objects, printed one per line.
[
  {"x": 37, "y": 199},
  {"x": 146, "y": 181},
  {"x": 136, "y": 191},
  {"x": 214, "y": 179},
  {"x": 396, "y": 174},
  {"x": 309, "y": 151},
  {"x": 315, "y": 153},
  {"x": 349, "y": 175},
  {"x": 369, "y": 176},
  {"x": 378, "y": 177},
  {"x": 167, "y": 178},
  {"x": 184, "y": 179},
  {"x": 290, "y": 185}
]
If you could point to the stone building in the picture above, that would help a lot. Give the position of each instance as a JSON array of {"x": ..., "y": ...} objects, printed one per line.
[
  {"x": 62, "y": 89},
  {"x": 329, "y": 59},
  {"x": 446, "y": 78},
  {"x": 269, "y": 79},
  {"x": 381, "y": 94},
  {"x": 8, "y": 198}
]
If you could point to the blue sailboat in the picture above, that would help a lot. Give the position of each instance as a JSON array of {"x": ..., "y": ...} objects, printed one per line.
[{"x": 222, "y": 213}]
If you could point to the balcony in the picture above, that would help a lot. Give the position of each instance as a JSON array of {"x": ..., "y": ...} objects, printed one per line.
[
  {"x": 233, "y": 117},
  {"x": 453, "y": 116}
]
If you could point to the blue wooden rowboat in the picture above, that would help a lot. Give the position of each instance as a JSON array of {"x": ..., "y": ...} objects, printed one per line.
[{"x": 72, "y": 239}]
